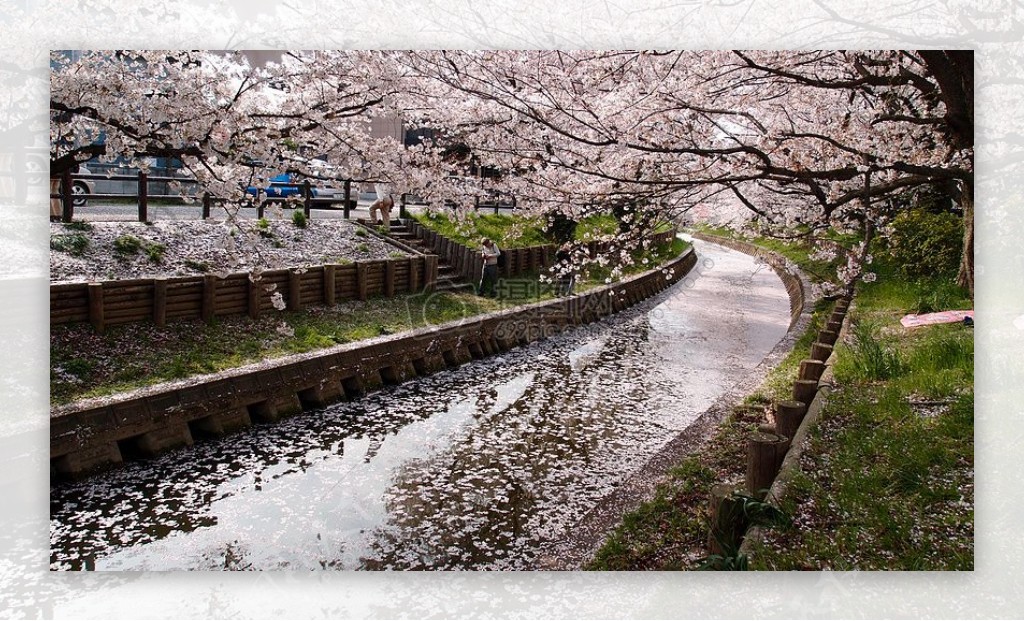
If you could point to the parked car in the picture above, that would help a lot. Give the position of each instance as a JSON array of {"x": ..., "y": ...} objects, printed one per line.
[
  {"x": 287, "y": 185},
  {"x": 82, "y": 188},
  {"x": 164, "y": 181}
]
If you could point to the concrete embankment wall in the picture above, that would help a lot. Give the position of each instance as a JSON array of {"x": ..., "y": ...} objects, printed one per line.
[{"x": 93, "y": 435}]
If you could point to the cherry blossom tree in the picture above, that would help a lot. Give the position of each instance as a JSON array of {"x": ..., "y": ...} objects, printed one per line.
[
  {"x": 805, "y": 140},
  {"x": 219, "y": 115}
]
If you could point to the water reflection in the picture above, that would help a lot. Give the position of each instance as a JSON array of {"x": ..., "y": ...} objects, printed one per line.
[{"x": 478, "y": 468}]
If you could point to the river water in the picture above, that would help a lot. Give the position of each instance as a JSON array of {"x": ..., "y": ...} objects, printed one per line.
[{"x": 482, "y": 467}]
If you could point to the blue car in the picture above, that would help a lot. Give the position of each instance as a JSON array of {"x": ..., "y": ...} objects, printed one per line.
[{"x": 286, "y": 185}]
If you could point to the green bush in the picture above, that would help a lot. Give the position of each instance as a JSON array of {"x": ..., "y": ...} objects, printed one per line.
[
  {"x": 155, "y": 252},
  {"x": 925, "y": 243},
  {"x": 299, "y": 219},
  {"x": 74, "y": 244},
  {"x": 78, "y": 225},
  {"x": 127, "y": 244}
]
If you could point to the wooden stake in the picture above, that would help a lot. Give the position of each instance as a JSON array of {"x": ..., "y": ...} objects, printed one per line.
[
  {"x": 96, "y": 306},
  {"x": 820, "y": 351},
  {"x": 727, "y": 524},
  {"x": 764, "y": 456},
  {"x": 804, "y": 390},
  {"x": 788, "y": 416}
]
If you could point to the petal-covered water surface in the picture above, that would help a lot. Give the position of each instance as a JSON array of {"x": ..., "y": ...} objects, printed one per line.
[{"x": 482, "y": 467}]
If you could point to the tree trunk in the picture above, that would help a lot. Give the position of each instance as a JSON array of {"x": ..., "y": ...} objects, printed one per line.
[{"x": 966, "y": 276}]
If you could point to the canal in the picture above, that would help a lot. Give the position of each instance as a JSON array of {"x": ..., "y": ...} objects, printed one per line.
[{"x": 482, "y": 467}]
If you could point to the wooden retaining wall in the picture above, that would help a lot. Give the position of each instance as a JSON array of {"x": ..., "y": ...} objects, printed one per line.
[
  {"x": 94, "y": 435},
  {"x": 206, "y": 297},
  {"x": 518, "y": 261}
]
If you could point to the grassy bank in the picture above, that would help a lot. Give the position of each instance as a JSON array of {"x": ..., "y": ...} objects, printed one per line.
[
  {"x": 84, "y": 364},
  {"x": 889, "y": 481}
]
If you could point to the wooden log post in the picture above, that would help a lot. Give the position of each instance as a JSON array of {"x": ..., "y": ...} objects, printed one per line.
[
  {"x": 727, "y": 523},
  {"x": 828, "y": 337},
  {"x": 389, "y": 278},
  {"x": 330, "y": 294},
  {"x": 253, "y": 296},
  {"x": 348, "y": 198},
  {"x": 788, "y": 416},
  {"x": 430, "y": 272},
  {"x": 402, "y": 212},
  {"x": 207, "y": 200},
  {"x": 414, "y": 274},
  {"x": 764, "y": 456},
  {"x": 209, "y": 297},
  {"x": 820, "y": 351},
  {"x": 67, "y": 197},
  {"x": 362, "y": 287},
  {"x": 804, "y": 390},
  {"x": 143, "y": 197},
  {"x": 307, "y": 198},
  {"x": 811, "y": 369},
  {"x": 160, "y": 302},
  {"x": 294, "y": 290},
  {"x": 95, "y": 291}
]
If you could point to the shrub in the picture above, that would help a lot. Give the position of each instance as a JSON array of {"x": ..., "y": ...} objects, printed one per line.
[
  {"x": 263, "y": 228},
  {"x": 925, "y": 243},
  {"x": 127, "y": 244},
  {"x": 299, "y": 219},
  {"x": 74, "y": 244},
  {"x": 561, "y": 228},
  {"x": 199, "y": 266},
  {"x": 78, "y": 225},
  {"x": 155, "y": 252}
]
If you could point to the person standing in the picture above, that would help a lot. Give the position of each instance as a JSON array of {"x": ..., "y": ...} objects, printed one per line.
[
  {"x": 382, "y": 205},
  {"x": 488, "y": 282},
  {"x": 566, "y": 276}
]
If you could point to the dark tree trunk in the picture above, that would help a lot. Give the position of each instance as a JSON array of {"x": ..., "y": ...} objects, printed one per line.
[{"x": 965, "y": 278}]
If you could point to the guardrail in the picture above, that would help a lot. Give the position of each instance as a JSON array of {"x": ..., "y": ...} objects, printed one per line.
[{"x": 63, "y": 196}]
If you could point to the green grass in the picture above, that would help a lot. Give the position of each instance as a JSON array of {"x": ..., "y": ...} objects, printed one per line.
[
  {"x": 507, "y": 230},
  {"x": 84, "y": 364},
  {"x": 887, "y": 480}
]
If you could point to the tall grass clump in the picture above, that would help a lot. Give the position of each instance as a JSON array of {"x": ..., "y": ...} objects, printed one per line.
[{"x": 869, "y": 358}]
